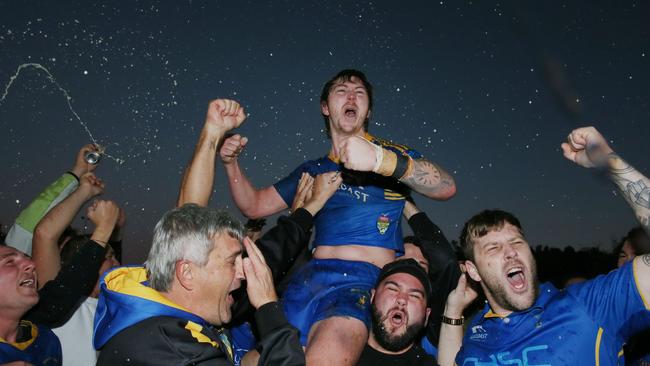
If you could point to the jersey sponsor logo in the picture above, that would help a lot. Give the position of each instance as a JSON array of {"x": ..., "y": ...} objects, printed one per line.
[
  {"x": 478, "y": 333},
  {"x": 355, "y": 193},
  {"x": 383, "y": 222},
  {"x": 508, "y": 358}
]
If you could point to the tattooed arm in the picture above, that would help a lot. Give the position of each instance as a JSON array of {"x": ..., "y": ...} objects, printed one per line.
[
  {"x": 425, "y": 177},
  {"x": 587, "y": 147},
  {"x": 431, "y": 180},
  {"x": 634, "y": 186}
]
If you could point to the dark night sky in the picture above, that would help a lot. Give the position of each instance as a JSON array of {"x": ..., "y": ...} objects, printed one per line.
[{"x": 487, "y": 90}]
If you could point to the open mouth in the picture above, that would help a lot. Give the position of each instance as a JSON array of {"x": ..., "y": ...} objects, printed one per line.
[
  {"x": 350, "y": 112},
  {"x": 516, "y": 278},
  {"x": 30, "y": 283},
  {"x": 238, "y": 293},
  {"x": 397, "y": 318}
]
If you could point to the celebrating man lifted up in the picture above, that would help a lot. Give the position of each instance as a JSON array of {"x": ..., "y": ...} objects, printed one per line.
[{"x": 357, "y": 232}]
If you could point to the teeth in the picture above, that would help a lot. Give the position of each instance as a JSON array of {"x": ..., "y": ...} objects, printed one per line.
[{"x": 27, "y": 282}]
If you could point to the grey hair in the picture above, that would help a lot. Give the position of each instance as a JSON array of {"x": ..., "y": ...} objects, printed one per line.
[{"x": 186, "y": 233}]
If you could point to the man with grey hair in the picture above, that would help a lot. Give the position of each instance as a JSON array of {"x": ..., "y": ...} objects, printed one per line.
[{"x": 171, "y": 311}]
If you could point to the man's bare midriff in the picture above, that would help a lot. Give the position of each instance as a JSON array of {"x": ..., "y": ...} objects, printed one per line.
[{"x": 360, "y": 253}]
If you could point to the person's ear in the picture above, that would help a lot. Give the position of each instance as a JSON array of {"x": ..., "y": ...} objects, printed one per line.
[
  {"x": 324, "y": 109},
  {"x": 184, "y": 275},
  {"x": 472, "y": 271}
]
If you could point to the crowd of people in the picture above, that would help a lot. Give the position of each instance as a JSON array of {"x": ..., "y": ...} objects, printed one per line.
[{"x": 214, "y": 291}]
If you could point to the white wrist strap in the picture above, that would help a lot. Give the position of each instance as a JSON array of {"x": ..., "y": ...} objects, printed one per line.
[{"x": 379, "y": 156}]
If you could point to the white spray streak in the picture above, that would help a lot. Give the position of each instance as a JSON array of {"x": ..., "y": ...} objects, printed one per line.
[{"x": 67, "y": 97}]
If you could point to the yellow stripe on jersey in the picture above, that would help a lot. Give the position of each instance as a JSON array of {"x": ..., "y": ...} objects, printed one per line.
[
  {"x": 385, "y": 143},
  {"x": 392, "y": 195},
  {"x": 599, "y": 337},
  {"x": 195, "y": 330}
]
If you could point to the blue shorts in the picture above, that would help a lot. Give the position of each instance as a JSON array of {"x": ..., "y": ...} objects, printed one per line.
[{"x": 324, "y": 288}]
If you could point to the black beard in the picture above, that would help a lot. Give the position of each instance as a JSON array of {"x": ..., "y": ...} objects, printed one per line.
[{"x": 390, "y": 342}]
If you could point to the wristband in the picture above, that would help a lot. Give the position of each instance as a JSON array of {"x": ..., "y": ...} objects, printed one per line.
[
  {"x": 393, "y": 165},
  {"x": 403, "y": 167},
  {"x": 387, "y": 164},
  {"x": 452, "y": 321},
  {"x": 379, "y": 157},
  {"x": 73, "y": 174}
]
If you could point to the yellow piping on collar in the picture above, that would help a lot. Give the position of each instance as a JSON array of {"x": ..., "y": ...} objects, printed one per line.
[
  {"x": 23, "y": 345},
  {"x": 491, "y": 314}
]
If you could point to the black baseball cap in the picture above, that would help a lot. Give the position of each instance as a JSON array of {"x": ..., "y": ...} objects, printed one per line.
[{"x": 411, "y": 267}]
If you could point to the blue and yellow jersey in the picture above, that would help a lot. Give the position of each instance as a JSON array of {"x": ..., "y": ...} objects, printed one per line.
[
  {"x": 367, "y": 208},
  {"x": 35, "y": 345},
  {"x": 586, "y": 324}
]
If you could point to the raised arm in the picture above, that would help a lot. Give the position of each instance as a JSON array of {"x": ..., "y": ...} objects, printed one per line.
[
  {"x": 444, "y": 270},
  {"x": 60, "y": 297},
  {"x": 451, "y": 336},
  {"x": 45, "y": 250},
  {"x": 280, "y": 342},
  {"x": 21, "y": 232},
  {"x": 252, "y": 202},
  {"x": 222, "y": 116},
  {"x": 421, "y": 175},
  {"x": 587, "y": 147},
  {"x": 429, "y": 179}
]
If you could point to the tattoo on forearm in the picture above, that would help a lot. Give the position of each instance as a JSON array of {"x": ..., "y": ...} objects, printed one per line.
[
  {"x": 635, "y": 190},
  {"x": 427, "y": 178},
  {"x": 425, "y": 173}
]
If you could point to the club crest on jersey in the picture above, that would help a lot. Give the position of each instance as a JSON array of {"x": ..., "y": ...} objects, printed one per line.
[{"x": 383, "y": 222}]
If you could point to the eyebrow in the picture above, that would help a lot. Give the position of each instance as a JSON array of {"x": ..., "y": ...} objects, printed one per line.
[
  {"x": 9, "y": 254},
  {"x": 235, "y": 254},
  {"x": 515, "y": 238},
  {"x": 356, "y": 85}
]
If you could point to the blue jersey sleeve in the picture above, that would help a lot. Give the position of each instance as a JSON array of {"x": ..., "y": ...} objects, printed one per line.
[
  {"x": 613, "y": 300},
  {"x": 288, "y": 185}
]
